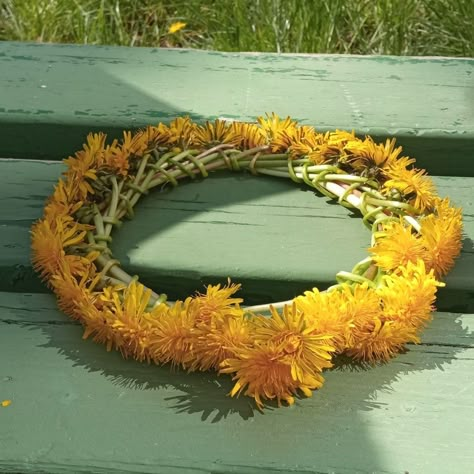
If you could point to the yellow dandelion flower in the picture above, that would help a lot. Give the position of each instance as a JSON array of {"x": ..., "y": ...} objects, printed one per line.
[
  {"x": 274, "y": 128},
  {"x": 302, "y": 141},
  {"x": 354, "y": 304},
  {"x": 413, "y": 184},
  {"x": 93, "y": 151},
  {"x": 307, "y": 351},
  {"x": 441, "y": 234},
  {"x": 61, "y": 203},
  {"x": 331, "y": 147},
  {"x": 396, "y": 246},
  {"x": 261, "y": 374},
  {"x": 368, "y": 154},
  {"x": 154, "y": 136},
  {"x": 173, "y": 334},
  {"x": 218, "y": 340},
  {"x": 319, "y": 312},
  {"x": 294, "y": 137},
  {"x": 175, "y": 27},
  {"x": 250, "y": 134},
  {"x": 49, "y": 239},
  {"x": 399, "y": 165},
  {"x": 298, "y": 140},
  {"x": 407, "y": 301},
  {"x": 339, "y": 312},
  {"x": 134, "y": 144},
  {"x": 6, "y": 403},
  {"x": 382, "y": 341},
  {"x": 116, "y": 159},
  {"x": 181, "y": 132},
  {"x": 132, "y": 322},
  {"x": 212, "y": 134},
  {"x": 83, "y": 167},
  {"x": 286, "y": 357},
  {"x": 71, "y": 291},
  {"x": 216, "y": 302},
  {"x": 97, "y": 321},
  {"x": 409, "y": 296},
  {"x": 338, "y": 139}
]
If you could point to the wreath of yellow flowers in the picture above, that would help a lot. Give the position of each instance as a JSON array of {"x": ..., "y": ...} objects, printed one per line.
[{"x": 370, "y": 314}]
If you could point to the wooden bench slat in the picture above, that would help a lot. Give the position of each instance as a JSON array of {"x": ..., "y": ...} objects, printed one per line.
[
  {"x": 275, "y": 237},
  {"x": 51, "y": 96},
  {"x": 76, "y": 407}
]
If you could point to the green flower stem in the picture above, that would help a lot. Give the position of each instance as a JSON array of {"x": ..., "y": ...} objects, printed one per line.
[
  {"x": 98, "y": 222},
  {"x": 278, "y": 173},
  {"x": 253, "y": 151},
  {"x": 352, "y": 188},
  {"x": 196, "y": 155},
  {"x": 373, "y": 214},
  {"x": 343, "y": 277},
  {"x": 120, "y": 275},
  {"x": 122, "y": 208},
  {"x": 335, "y": 189},
  {"x": 353, "y": 191},
  {"x": 163, "y": 161},
  {"x": 134, "y": 196},
  {"x": 115, "y": 271},
  {"x": 361, "y": 267},
  {"x": 392, "y": 204},
  {"x": 116, "y": 276},
  {"x": 148, "y": 182},
  {"x": 413, "y": 222},
  {"x": 265, "y": 308},
  {"x": 179, "y": 174},
  {"x": 371, "y": 191},
  {"x": 345, "y": 178},
  {"x": 113, "y": 204},
  {"x": 339, "y": 190},
  {"x": 211, "y": 162},
  {"x": 264, "y": 163},
  {"x": 141, "y": 168},
  {"x": 108, "y": 280},
  {"x": 315, "y": 168},
  {"x": 99, "y": 227},
  {"x": 91, "y": 238},
  {"x": 156, "y": 300},
  {"x": 371, "y": 272}
]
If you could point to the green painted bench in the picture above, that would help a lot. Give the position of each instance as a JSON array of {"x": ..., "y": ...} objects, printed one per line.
[{"x": 77, "y": 408}]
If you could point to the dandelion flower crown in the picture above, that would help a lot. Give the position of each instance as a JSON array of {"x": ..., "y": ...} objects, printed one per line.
[{"x": 370, "y": 314}]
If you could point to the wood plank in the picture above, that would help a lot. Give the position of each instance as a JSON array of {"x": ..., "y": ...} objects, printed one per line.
[
  {"x": 275, "y": 237},
  {"x": 52, "y": 95},
  {"x": 77, "y": 407},
  {"x": 270, "y": 234}
]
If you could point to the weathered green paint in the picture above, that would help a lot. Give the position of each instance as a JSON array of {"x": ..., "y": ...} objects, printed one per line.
[
  {"x": 77, "y": 408},
  {"x": 51, "y": 96},
  {"x": 274, "y": 236}
]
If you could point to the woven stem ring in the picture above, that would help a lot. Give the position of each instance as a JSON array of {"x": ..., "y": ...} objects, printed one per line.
[{"x": 275, "y": 350}]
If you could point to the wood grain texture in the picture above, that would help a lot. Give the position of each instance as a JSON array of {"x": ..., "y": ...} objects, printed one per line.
[
  {"x": 275, "y": 237},
  {"x": 76, "y": 407},
  {"x": 51, "y": 96}
]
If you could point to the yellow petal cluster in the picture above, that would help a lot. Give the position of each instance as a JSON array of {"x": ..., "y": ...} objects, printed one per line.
[{"x": 275, "y": 357}]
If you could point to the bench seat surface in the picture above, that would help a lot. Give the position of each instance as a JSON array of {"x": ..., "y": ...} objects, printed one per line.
[
  {"x": 104, "y": 414},
  {"x": 76, "y": 407},
  {"x": 53, "y": 95},
  {"x": 278, "y": 239}
]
